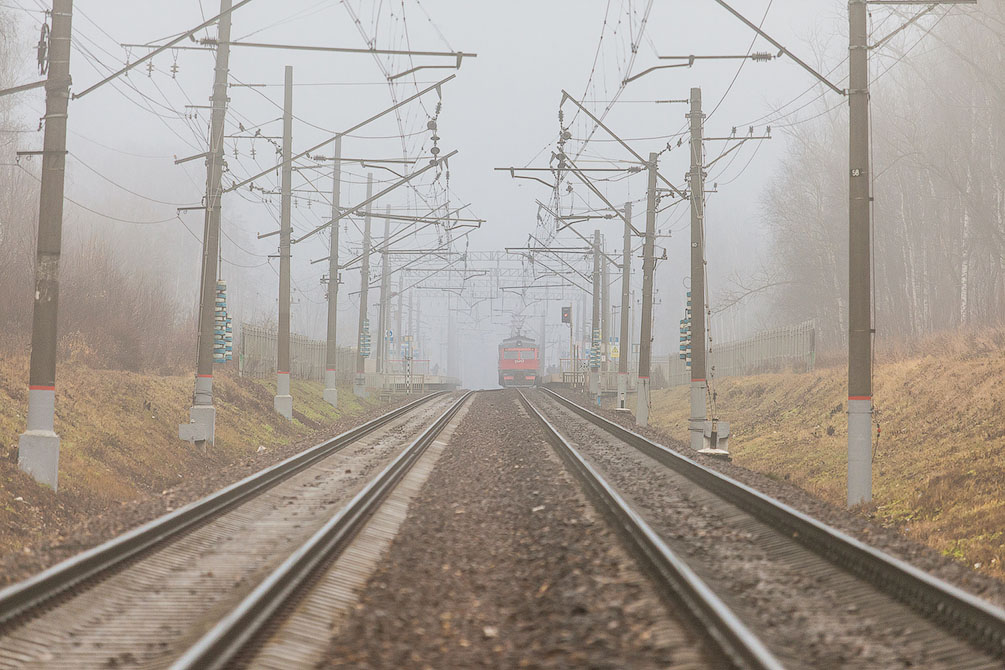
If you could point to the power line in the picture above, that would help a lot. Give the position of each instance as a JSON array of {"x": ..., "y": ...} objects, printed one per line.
[
  {"x": 743, "y": 62},
  {"x": 120, "y": 186},
  {"x": 102, "y": 214}
]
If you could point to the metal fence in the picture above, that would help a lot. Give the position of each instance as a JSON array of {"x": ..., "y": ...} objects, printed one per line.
[
  {"x": 258, "y": 354},
  {"x": 771, "y": 350},
  {"x": 397, "y": 366}
]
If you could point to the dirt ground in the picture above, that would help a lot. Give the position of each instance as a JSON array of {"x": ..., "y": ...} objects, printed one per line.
[{"x": 121, "y": 462}]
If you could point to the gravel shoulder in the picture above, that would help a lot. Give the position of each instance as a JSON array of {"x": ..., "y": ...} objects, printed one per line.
[
  {"x": 502, "y": 563},
  {"x": 69, "y": 534},
  {"x": 858, "y": 523}
]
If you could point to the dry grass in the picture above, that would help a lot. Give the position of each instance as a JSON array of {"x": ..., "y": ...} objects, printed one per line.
[
  {"x": 119, "y": 441},
  {"x": 939, "y": 462}
]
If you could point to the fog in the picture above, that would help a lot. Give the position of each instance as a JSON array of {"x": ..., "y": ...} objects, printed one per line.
[{"x": 766, "y": 265}]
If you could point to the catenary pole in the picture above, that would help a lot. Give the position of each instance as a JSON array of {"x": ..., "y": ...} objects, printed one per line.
[
  {"x": 331, "y": 393},
  {"x": 331, "y": 352},
  {"x": 859, "y": 280},
  {"x": 584, "y": 350},
  {"x": 385, "y": 294},
  {"x": 411, "y": 316},
  {"x": 38, "y": 446},
  {"x": 359, "y": 384},
  {"x": 573, "y": 359},
  {"x": 860, "y": 329},
  {"x": 699, "y": 378},
  {"x": 605, "y": 308},
  {"x": 596, "y": 326},
  {"x": 202, "y": 415},
  {"x": 284, "y": 401},
  {"x": 541, "y": 362},
  {"x": 398, "y": 333},
  {"x": 648, "y": 269},
  {"x": 450, "y": 336},
  {"x": 624, "y": 339}
]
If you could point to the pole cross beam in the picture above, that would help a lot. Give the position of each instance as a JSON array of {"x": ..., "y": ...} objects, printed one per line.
[
  {"x": 574, "y": 169},
  {"x": 163, "y": 48},
  {"x": 331, "y": 139},
  {"x": 782, "y": 49},
  {"x": 579, "y": 234},
  {"x": 638, "y": 157},
  {"x": 398, "y": 236},
  {"x": 352, "y": 210}
]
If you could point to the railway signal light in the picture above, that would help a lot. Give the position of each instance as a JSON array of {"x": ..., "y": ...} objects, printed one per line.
[{"x": 567, "y": 315}]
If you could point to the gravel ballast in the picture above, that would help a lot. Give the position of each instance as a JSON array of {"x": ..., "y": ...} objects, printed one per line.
[
  {"x": 503, "y": 564},
  {"x": 856, "y": 523},
  {"x": 151, "y": 609},
  {"x": 810, "y": 613},
  {"x": 65, "y": 542}
]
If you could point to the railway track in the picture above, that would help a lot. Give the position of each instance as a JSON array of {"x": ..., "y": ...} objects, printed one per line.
[
  {"x": 888, "y": 606},
  {"x": 240, "y": 628},
  {"x": 146, "y": 597},
  {"x": 677, "y": 582},
  {"x": 263, "y": 572}
]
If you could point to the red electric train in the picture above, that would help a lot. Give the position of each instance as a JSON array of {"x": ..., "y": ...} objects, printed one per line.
[{"x": 518, "y": 362}]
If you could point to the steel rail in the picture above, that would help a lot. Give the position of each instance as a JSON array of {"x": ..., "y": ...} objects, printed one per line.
[
  {"x": 675, "y": 579},
  {"x": 966, "y": 615},
  {"x": 223, "y": 643},
  {"x": 18, "y": 599}
]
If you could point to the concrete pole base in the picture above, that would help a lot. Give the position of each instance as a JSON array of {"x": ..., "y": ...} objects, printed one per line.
[
  {"x": 38, "y": 455},
  {"x": 699, "y": 392},
  {"x": 359, "y": 386},
  {"x": 330, "y": 393},
  {"x": 859, "y": 451},
  {"x": 642, "y": 403},
  {"x": 38, "y": 446},
  {"x": 201, "y": 428},
  {"x": 622, "y": 391},
  {"x": 284, "y": 405},
  {"x": 331, "y": 396},
  {"x": 283, "y": 401}
]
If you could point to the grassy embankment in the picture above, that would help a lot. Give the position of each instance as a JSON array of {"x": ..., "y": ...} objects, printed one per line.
[
  {"x": 939, "y": 469},
  {"x": 119, "y": 441}
]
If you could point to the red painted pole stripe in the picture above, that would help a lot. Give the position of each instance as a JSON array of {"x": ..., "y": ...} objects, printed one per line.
[
  {"x": 205, "y": 376},
  {"x": 282, "y": 373},
  {"x": 41, "y": 388},
  {"x": 860, "y": 397},
  {"x": 699, "y": 380}
]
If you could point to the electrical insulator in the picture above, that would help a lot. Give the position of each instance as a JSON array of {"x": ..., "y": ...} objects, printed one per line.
[{"x": 223, "y": 330}]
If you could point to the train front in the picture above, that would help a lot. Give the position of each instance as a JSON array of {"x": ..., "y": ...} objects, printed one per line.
[{"x": 518, "y": 362}]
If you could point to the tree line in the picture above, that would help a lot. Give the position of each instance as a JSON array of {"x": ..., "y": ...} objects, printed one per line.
[{"x": 938, "y": 122}]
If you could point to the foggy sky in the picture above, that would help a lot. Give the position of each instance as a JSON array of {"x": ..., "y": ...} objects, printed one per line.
[{"x": 500, "y": 111}]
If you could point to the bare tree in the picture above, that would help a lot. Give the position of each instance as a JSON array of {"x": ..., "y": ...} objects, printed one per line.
[{"x": 938, "y": 126}]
